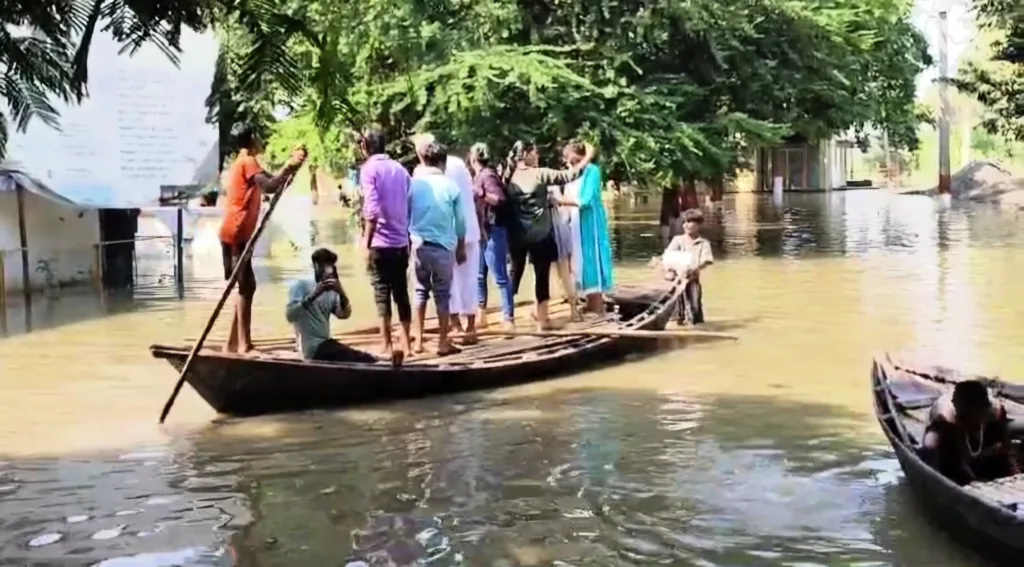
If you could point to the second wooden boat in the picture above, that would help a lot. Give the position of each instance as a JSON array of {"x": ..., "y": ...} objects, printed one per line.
[
  {"x": 279, "y": 381},
  {"x": 988, "y": 516}
]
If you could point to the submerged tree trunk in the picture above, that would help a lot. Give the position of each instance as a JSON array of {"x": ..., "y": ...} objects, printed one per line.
[
  {"x": 689, "y": 199},
  {"x": 717, "y": 186}
]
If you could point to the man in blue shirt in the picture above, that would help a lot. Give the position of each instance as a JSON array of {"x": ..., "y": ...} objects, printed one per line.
[
  {"x": 311, "y": 303},
  {"x": 437, "y": 229}
]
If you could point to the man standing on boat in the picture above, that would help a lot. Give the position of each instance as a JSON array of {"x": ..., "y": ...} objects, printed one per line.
[
  {"x": 385, "y": 189},
  {"x": 464, "y": 293},
  {"x": 438, "y": 229},
  {"x": 311, "y": 303},
  {"x": 244, "y": 184}
]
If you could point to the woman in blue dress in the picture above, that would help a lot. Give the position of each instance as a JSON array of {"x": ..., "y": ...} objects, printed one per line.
[{"x": 594, "y": 277}]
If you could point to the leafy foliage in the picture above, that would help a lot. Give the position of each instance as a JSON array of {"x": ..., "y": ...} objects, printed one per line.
[
  {"x": 667, "y": 89},
  {"x": 997, "y": 79}
]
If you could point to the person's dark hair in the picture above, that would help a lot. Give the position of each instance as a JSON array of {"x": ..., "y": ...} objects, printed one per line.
[
  {"x": 435, "y": 154},
  {"x": 244, "y": 135},
  {"x": 515, "y": 155},
  {"x": 324, "y": 256},
  {"x": 971, "y": 395},
  {"x": 577, "y": 147},
  {"x": 693, "y": 215},
  {"x": 375, "y": 140}
]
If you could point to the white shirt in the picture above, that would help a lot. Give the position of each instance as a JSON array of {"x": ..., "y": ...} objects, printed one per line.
[{"x": 456, "y": 170}]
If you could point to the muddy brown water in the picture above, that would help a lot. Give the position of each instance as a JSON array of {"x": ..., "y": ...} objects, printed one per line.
[{"x": 762, "y": 452}]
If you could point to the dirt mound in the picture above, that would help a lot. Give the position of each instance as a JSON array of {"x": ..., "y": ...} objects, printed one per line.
[
  {"x": 981, "y": 180},
  {"x": 986, "y": 182}
]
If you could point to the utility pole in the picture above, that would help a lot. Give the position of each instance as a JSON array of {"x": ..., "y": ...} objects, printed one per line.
[{"x": 944, "y": 110}]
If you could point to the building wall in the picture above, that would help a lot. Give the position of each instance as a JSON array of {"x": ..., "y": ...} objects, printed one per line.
[{"x": 61, "y": 242}]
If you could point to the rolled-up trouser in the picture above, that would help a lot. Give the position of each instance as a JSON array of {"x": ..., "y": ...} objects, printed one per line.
[
  {"x": 389, "y": 276},
  {"x": 433, "y": 266},
  {"x": 691, "y": 304}
]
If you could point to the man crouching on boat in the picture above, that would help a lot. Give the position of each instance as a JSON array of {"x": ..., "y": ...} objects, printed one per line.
[
  {"x": 968, "y": 436},
  {"x": 310, "y": 306}
]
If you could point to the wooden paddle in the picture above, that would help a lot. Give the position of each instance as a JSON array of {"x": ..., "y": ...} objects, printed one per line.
[
  {"x": 599, "y": 332},
  {"x": 235, "y": 273}
]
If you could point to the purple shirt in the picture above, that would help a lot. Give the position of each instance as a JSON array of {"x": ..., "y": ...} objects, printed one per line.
[{"x": 385, "y": 186}]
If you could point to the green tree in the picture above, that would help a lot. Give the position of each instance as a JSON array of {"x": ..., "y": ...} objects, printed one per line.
[{"x": 996, "y": 78}]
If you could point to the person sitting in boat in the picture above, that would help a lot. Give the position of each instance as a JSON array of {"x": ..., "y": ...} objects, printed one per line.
[
  {"x": 968, "y": 436},
  {"x": 311, "y": 303},
  {"x": 688, "y": 254}
]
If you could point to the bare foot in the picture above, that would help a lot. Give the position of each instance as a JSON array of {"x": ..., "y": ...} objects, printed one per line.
[
  {"x": 469, "y": 338},
  {"x": 250, "y": 352},
  {"x": 576, "y": 316},
  {"x": 417, "y": 345},
  {"x": 447, "y": 349}
]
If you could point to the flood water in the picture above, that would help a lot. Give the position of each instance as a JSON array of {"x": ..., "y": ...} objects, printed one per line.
[{"x": 760, "y": 452}]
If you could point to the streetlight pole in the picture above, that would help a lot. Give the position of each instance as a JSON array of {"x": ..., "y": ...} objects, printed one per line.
[{"x": 944, "y": 110}]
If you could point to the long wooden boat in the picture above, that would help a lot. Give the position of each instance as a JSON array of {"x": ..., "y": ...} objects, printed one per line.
[
  {"x": 987, "y": 516},
  {"x": 279, "y": 381}
]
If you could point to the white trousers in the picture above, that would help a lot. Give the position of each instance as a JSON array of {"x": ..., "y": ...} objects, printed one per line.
[{"x": 465, "y": 298}]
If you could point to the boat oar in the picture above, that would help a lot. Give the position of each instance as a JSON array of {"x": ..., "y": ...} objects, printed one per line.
[
  {"x": 625, "y": 333},
  {"x": 246, "y": 255}
]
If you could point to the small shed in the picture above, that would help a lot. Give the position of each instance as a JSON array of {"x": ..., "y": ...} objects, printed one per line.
[{"x": 46, "y": 239}]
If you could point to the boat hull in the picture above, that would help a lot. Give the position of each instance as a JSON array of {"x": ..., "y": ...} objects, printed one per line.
[
  {"x": 992, "y": 530},
  {"x": 247, "y": 386}
]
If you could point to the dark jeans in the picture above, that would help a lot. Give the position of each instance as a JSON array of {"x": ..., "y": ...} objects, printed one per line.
[
  {"x": 231, "y": 254},
  {"x": 691, "y": 305},
  {"x": 333, "y": 351},
  {"x": 542, "y": 254},
  {"x": 389, "y": 273}
]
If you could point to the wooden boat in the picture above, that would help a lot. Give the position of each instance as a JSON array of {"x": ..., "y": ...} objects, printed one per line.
[
  {"x": 279, "y": 381},
  {"x": 988, "y": 516}
]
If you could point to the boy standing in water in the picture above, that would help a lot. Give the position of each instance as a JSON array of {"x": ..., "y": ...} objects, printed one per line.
[{"x": 694, "y": 253}]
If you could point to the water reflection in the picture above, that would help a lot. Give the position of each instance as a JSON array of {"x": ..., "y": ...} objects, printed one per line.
[{"x": 586, "y": 477}]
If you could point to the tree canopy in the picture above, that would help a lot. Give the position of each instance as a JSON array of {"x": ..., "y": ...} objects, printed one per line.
[
  {"x": 668, "y": 90},
  {"x": 997, "y": 78}
]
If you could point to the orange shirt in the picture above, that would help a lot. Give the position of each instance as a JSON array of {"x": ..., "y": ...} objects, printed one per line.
[{"x": 242, "y": 200}]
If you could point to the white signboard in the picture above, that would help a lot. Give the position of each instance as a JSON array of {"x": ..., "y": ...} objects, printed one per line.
[{"x": 142, "y": 126}]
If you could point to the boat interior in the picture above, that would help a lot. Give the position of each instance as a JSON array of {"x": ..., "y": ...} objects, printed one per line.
[
  {"x": 915, "y": 387},
  {"x": 490, "y": 348}
]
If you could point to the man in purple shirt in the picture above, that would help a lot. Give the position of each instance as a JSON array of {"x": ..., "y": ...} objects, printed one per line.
[{"x": 385, "y": 187}]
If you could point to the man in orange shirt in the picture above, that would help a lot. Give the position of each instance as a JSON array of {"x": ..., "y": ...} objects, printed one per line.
[{"x": 244, "y": 184}]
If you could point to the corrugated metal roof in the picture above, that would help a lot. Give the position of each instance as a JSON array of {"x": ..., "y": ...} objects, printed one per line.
[{"x": 10, "y": 179}]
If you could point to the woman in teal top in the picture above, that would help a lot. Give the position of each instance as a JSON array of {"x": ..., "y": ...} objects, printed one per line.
[{"x": 595, "y": 277}]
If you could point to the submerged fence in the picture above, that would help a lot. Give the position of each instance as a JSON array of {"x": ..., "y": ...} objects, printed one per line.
[{"x": 139, "y": 262}]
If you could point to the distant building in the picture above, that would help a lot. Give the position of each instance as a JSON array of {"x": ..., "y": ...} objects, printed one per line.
[{"x": 802, "y": 166}]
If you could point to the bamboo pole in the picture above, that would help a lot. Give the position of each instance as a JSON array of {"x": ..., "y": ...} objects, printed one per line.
[{"x": 246, "y": 255}]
